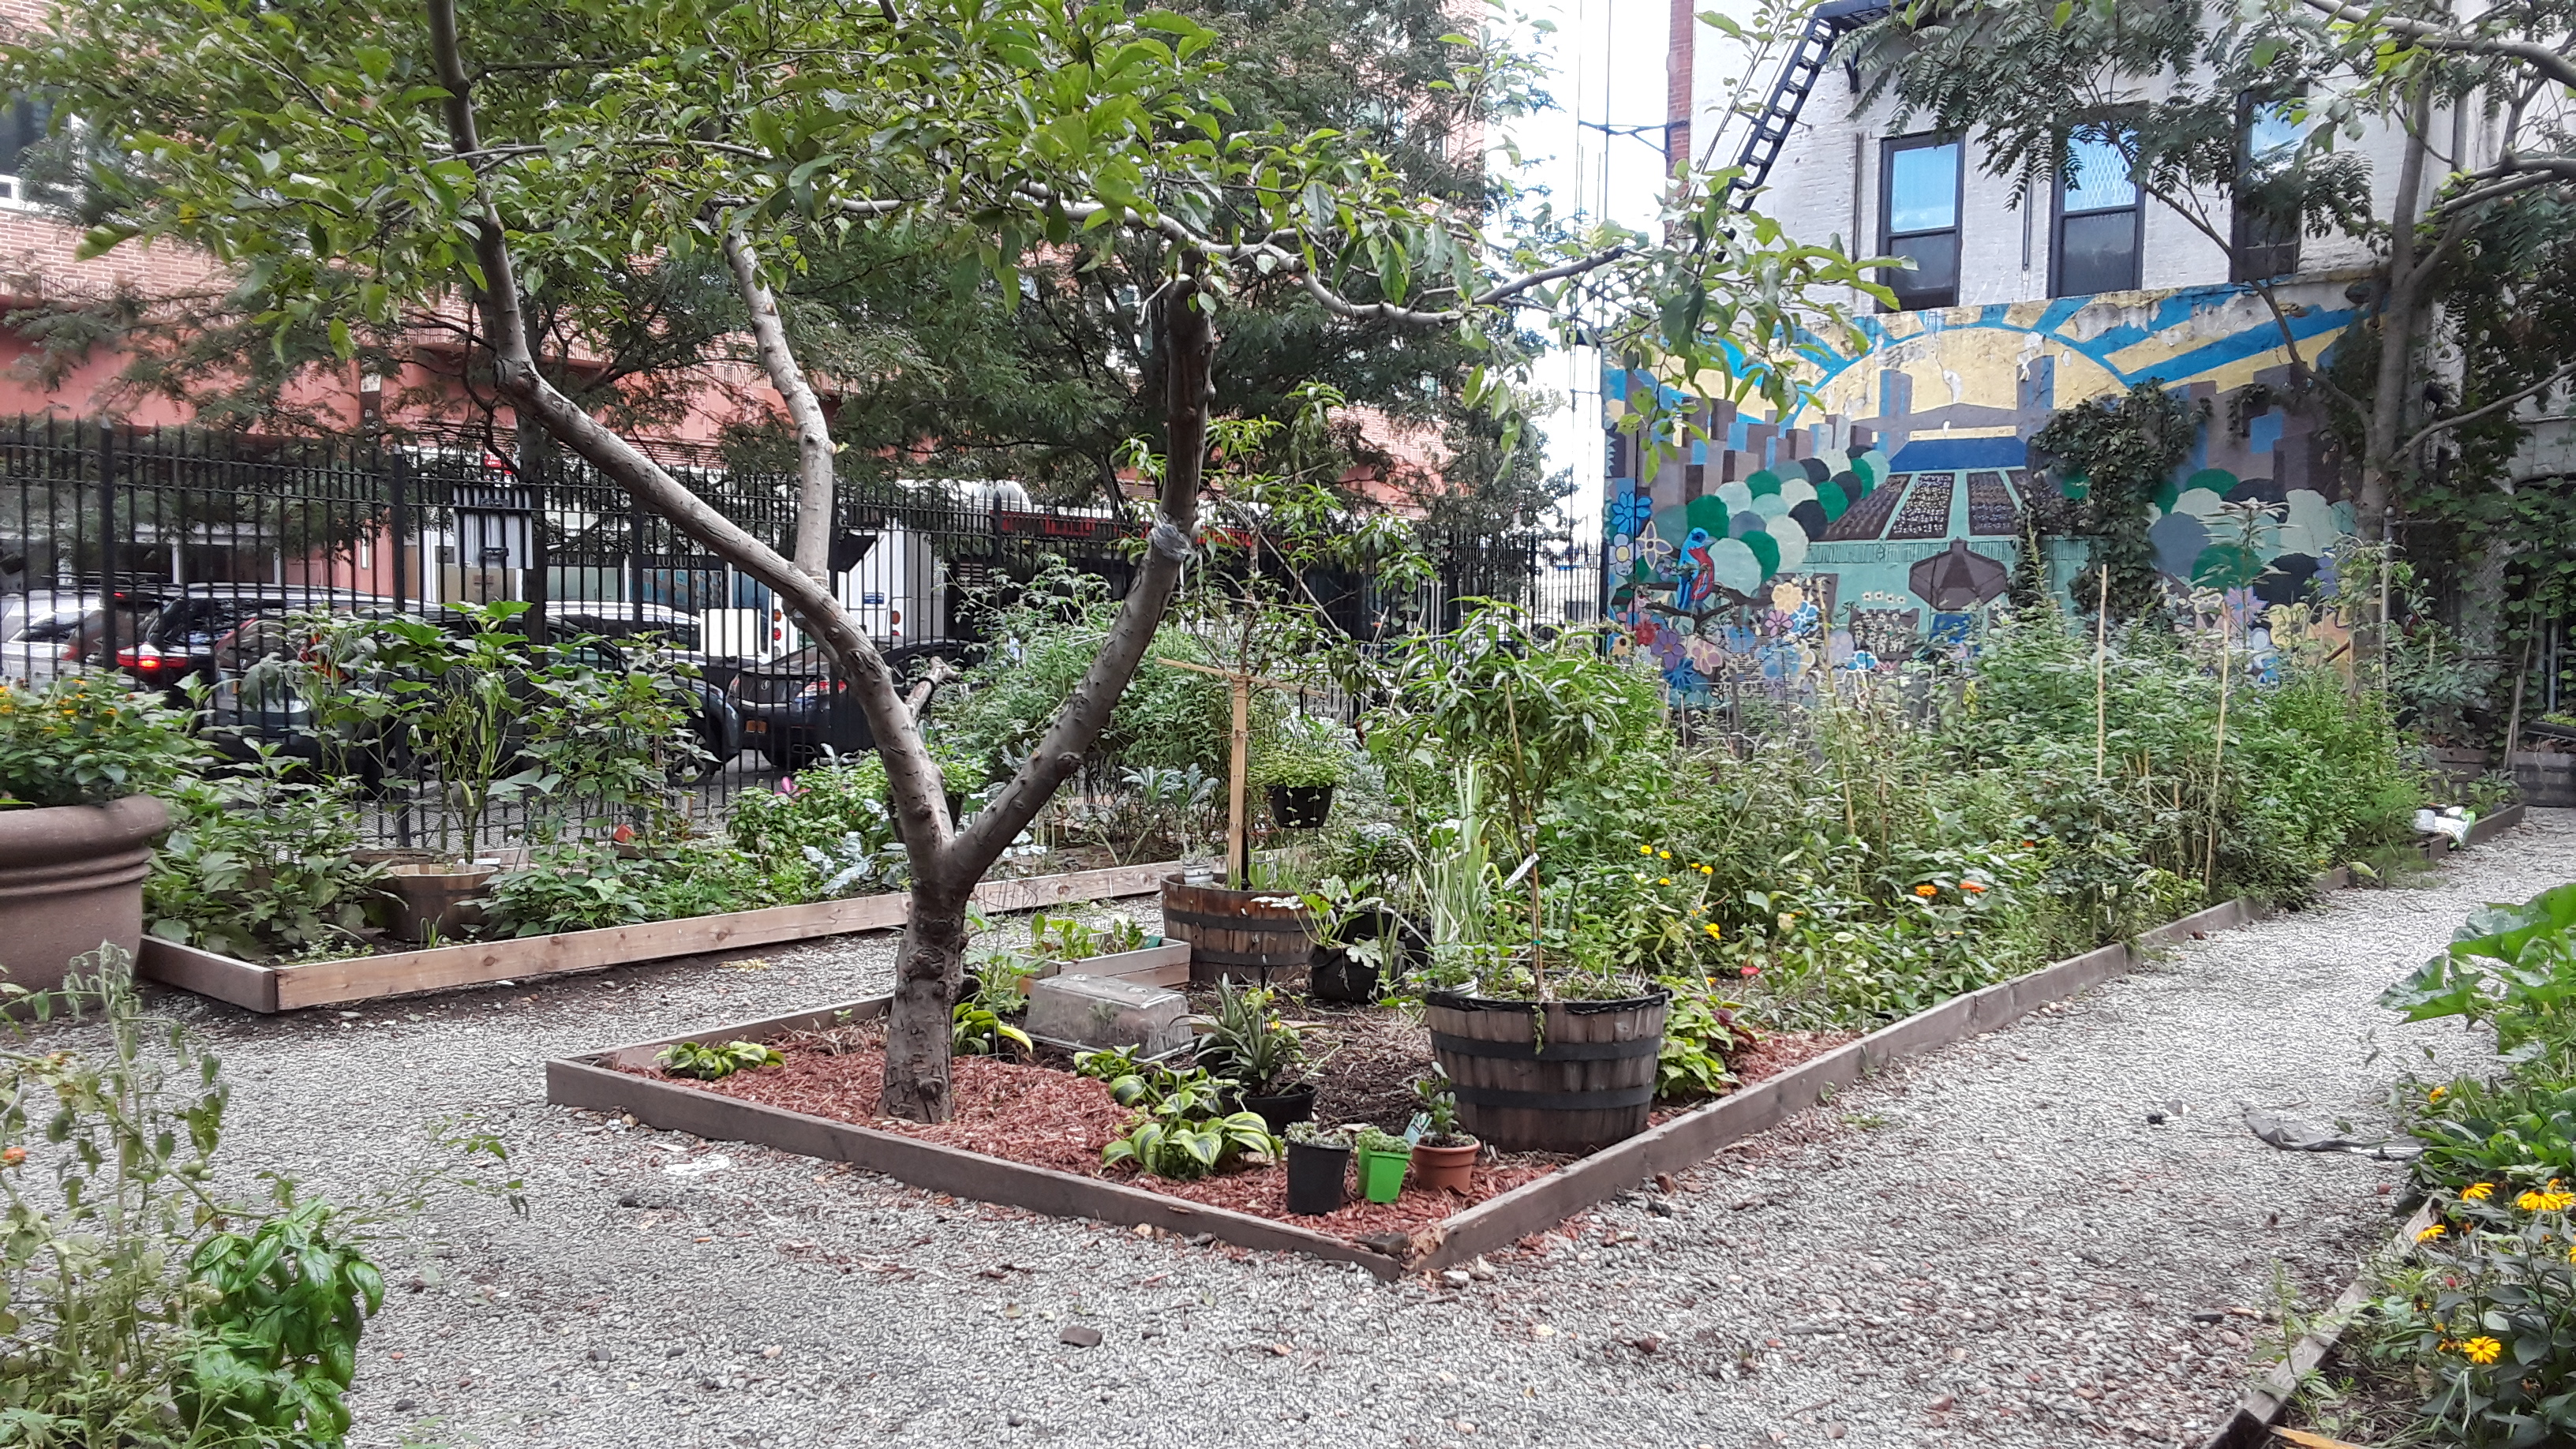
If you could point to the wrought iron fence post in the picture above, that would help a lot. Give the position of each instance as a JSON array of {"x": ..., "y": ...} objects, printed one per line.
[{"x": 107, "y": 541}]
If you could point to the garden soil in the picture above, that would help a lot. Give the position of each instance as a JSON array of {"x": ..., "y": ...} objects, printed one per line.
[{"x": 1992, "y": 1245}]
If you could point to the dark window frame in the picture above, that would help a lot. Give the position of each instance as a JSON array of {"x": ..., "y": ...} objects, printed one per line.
[
  {"x": 1888, "y": 150},
  {"x": 2058, "y": 216},
  {"x": 2251, "y": 257}
]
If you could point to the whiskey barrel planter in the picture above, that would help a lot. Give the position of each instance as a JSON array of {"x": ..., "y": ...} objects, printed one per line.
[
  {"x": 1575, "y": 1079},
  {"x": 2460, "y": 764},
  {"x": 1252, "y": 936}
]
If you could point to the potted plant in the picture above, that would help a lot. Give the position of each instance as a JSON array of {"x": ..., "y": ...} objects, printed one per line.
[
  {"x": 1382, "y": 1158},
  {"x": 1299, "y": 765},
  {"x": 1443, "y": 1157},
  {"x": 1358, "y": 938},
  {"x": 1551, "y": 1036},
  {"x": 1247, "y": 1043},
  {"x": 1319, "y": 1166},
  {"x": 80, "y": 759}
]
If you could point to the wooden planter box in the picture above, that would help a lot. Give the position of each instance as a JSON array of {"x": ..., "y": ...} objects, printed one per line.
[
  {"x": 592, "y": 1082},
  {"x": 480, "y": 963}
]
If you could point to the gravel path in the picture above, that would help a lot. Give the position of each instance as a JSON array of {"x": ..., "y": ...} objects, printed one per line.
[{"x": 1990, "y": 1246}]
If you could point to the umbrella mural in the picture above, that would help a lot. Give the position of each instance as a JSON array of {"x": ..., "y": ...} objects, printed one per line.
[{"x": 1955, "y": 579}]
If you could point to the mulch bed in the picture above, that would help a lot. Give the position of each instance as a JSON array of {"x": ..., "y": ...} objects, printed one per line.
[{"x": 1045, "y": 1116}]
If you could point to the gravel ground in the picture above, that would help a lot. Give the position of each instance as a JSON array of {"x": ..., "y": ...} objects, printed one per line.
[{"x": 1992, "y": 1245}]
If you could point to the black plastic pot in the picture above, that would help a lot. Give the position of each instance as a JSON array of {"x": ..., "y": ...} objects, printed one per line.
[
  {"x": 1301, "y": 807},
  {"x": 1318, "y": 1178},
  {"x": 1334, "y": 976},
  {"x": 1291, "y": 1106}
]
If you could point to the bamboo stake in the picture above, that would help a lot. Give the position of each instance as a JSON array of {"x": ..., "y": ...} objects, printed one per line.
[
  {"x": 2513, "y": 721},
  {"x": 1238, "y": 835},
  {"x": 2218, "y": 755},
  {"x": 2101, "y": 661}
]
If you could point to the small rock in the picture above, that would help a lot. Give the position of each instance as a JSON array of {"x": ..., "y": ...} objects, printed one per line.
[
  {"x": 1015, "y": 1419},
  {"x": 674, "y": 1351},
  {"x": 405, "y": 1406},
  {"x": 1660, "y": 1208},
  {"x": 1480, "y": 1270},
  {"x": 772, "y": 1351},
  {"x": 1080, "y": 1335},
  {"x": 599, "y": 1355},
  {"x": 2155, "y": 1119},
  {"x": 1942, "y": 1405},
  {"x": 1544, "y": 1330},
  {"x": 1201, "y": 1240},
  {"x": 1666, "y": 1182},
  {"x": 1456, "y": 1278},
  {"x": 2207, "y": 1317}
]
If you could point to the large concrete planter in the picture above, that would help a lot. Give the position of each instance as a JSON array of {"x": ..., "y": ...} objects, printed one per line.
[{"x": 71, "y": 877}]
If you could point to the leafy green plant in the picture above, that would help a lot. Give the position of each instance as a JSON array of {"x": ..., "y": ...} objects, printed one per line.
[
  {"x": 1700, "y": 1032},
  {"x": 977, "y": 1030},
  {"x": 2511, "y": 967},
  {"x": 1249, "y": 1042},
  {"x": 138, "y": 1305},
  {"x": 1438, "y": 1098},
  {"x": 1303, "y": 750},
  {"x": 1108, "y": 1065},
  {"x": 1185, "y": 1148},
  {"x": 87, "y": 740},
  {"x": 260, "y": 864},
  {"x": 1372, "y": 1139},
  {"x": 1066, "y": 939},
  {"x": 2516, "y": 1130},
  {"x": 588, "y": 886},
  {"x": 711, "y": 1063},
  {"x": 608, "y": 739}
]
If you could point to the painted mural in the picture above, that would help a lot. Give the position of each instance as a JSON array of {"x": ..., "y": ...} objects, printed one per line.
[{"x": 1885, "y": 514}]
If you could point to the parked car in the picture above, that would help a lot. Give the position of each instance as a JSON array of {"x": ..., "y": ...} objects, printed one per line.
[
  {"x": 49, "y": 635},
  {"x": 182, "y": 640},
  {"x": 676, "y": 630},
  {"x": 793, "y": 707}
]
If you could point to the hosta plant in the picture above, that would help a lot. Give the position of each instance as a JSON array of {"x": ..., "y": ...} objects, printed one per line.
[
  {"x": 1182, "y": 1149},
  {"x": 713, "y": 1063}
]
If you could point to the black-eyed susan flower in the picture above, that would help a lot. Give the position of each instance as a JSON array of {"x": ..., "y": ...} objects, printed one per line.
[
  {"x": 2478, "y": 1191},
  {"x": 2430, "y": 1233},
  {"x": 2481, "y": 1349}
]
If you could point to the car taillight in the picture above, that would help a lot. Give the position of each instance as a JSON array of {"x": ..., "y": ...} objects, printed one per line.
[
  {"x": 820, "y": 687},
  {"x": 143, "y": 657}
]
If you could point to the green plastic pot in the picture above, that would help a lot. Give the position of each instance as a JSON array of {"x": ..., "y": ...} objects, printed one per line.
[{"x": 1382, "y": 1175}]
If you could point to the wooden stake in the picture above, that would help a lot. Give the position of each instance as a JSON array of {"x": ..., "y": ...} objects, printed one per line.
[
  {"x": 1238, "y": 838},
  {"x": 2513, "y": 721},
  {"x": 2101, "y": 658},
  {"x": 2226, "y": 659}
]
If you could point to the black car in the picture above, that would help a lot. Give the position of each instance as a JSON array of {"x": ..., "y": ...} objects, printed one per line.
[
  {"x": 794, "y": 707},
  {"x": 182, "y": 641}
]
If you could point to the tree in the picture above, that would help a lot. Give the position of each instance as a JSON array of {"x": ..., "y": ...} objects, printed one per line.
[
  {"x": 2171, "y": 86},
  {"x": 355, "y": 164}
]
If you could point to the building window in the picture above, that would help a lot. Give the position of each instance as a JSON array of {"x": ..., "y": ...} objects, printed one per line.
[
  {"x": 1918, "y": 206},
  {"x": 2266, "y": 240},
  {"x": 2097, "y": 219},
  {"x": 22, "y": 127}
]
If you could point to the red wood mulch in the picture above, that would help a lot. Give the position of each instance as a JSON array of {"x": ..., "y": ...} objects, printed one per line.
[{"x": 1047, "y": 1117}]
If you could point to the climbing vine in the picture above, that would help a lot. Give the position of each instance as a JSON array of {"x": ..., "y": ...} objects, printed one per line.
[{"x": 2109, "y": 457}]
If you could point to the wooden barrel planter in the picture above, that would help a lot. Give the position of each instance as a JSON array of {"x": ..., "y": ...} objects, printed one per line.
[
  {"x": 1248, "y": 936},
  {"x": 1576, "y": 1081}
]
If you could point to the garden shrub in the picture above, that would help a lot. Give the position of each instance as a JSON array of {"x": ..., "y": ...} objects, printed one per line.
[{"x": 260, "y": 864}]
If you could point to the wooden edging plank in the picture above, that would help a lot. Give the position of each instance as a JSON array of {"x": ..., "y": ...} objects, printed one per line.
[
  {"x": 931, "y": 1166},
  {"x": 1499, "y": 1222},
  {"x": 2249, "y": 1426},
  {"x": 479, "y": 963}
]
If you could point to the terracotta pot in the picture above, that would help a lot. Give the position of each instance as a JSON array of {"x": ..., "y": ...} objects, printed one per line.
[
  {"x": 71, "y": 880},
  {"x": 1450, "y": 1167},
  {"x": 446, "y": 897}
]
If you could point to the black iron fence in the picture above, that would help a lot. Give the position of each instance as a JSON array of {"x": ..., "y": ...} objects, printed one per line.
[{"x": 144, "y": 550}]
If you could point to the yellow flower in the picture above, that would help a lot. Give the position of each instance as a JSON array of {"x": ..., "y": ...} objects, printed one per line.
[
  {"x": 2429, "y": 1234},
  {"x": 2482, "y": 1349},
  {"x": 2545, "y": 1202},
  {"x": 2435, "y": 1095},
  {"x": 1645, "y": 850},
  {"x": 1663, "y": 880},
  {"x": 1927, "y": 891},
  {"x": 1708, "y": 870},
  {"x": 1714, "y": 933},
  {"x": 2478, "y": 1191},
  {"x": 1666, "y": 854}
]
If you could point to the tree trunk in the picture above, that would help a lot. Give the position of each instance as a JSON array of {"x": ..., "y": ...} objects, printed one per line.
[
  {"x": 2393, "y": 382},
  {"x": 929, "y": 974}
]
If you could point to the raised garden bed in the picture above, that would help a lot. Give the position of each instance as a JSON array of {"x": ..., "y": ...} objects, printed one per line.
[
  {"x": 480, "y": 963},
  {"x": 828, "y": 1111}
]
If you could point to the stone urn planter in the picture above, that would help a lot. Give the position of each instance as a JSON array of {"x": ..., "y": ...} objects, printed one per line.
[
  {"x": 437, "y": 902},
  {"x": 71, "y": 878}
]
